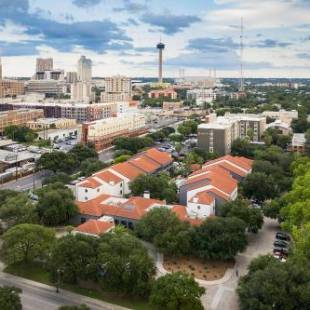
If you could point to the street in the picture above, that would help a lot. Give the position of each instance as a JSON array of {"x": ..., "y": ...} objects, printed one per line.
[
  {"x": 40, "y": 296},
  {"x": 25, "y": 183}
]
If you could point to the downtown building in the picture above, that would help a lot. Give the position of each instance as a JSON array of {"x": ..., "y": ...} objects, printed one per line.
[
  {"x": 117, "y": 88},
  {"x": 102, "y": 132}
]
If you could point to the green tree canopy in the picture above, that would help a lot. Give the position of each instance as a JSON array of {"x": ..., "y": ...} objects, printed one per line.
[
  {"x": 124, "y": 264},
  {"x": 133, "y": 145},
  {"x": 253, "y": 218},
  {"x": 83, "y": 152},
  {"x": 220, "y": 238},
  {"x": 176, "y": 291},
  {"x": 20, "y": 133},
  {"x": 56, "y": 204},
  {"x": 90, "y": 166},
  {"x": 9, "y": 298},
  {"x": 26, "y": 242},
  {"x": 160, "y": 187}
]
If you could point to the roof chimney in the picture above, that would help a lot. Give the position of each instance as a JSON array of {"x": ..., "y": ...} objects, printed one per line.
[{"x": 146, "y": 195}]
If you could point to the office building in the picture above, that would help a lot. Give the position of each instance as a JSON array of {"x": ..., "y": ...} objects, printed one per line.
[
  {"x": 103, "y": 132},
  {"x": 71, "y": 77},
  {"x": 49, "y": 87},
  {"x": 117, "y": 88},
  {"x": 11, "y": 88},
  {"x": 84, "y": 69},
  {"x": 57, "y": 75},
  {"x": 82, "y": 92},
  {"x": 18, "y": 117},
  {"x": 44, "y": 64}
]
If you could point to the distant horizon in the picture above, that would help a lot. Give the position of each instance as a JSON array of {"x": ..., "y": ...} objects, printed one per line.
[{"x": 121, "y": 37}]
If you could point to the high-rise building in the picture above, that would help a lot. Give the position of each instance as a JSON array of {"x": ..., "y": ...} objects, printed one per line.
[
  {"x": 81, "y": 91},
  {"x": 44, "y": 64},
  {"x": 84, "y": 69},
  {"x": 71, "y": 77},
  {"x": 160, "y": 47},
  {"x": 117, "y": 88}
]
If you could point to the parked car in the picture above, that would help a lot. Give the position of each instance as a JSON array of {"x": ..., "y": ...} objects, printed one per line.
[
  {"x": 279, "y": 250},
  {"x": 283, "y": 236},
  {"x": 281, "y": 244}
]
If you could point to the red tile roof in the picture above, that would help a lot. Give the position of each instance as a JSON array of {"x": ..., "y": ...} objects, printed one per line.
[
  {"x": 145, "y": 164},
  {"x": 181, "y": 213},
  {"x": 108, "y": 177},
  {"x": 94, "y": 227},
  {"x": 90, "y": 183},
  {"x": 163, "y": 158},
  {"x": 92, "y": 207},
  {"x": 129, "y": 171},
  {"x": 203, "y": 198}
]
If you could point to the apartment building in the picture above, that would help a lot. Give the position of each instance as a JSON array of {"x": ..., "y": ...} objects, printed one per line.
[
  {"x": 171, "y": 105},
  {"x": 202, "y": 95},
  {"x": 82, "y": 112},
  {"x": 11, "y": 88},
  {"x": 55, "y": 123},
  {"x": 214, "y": 184},
  {"x": 117, "y": 88},
  {"x": 282, "y": 115},
  {"x": 82, "y": 92},
  {"x": 115, "y": 180},
  {"x": 18, "y": 117},
  {"x": 218, "y": 136},
  {"x": 103, "y": 132},
  {"x": 298, "y": 144}
]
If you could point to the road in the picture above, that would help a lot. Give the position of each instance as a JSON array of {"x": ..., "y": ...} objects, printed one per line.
[
  {"x": 40, "y": 296},
  {"x": 224, "y": 296},
  {"x": 25, "y": 183},
  {"x": 106, "y": 155}
]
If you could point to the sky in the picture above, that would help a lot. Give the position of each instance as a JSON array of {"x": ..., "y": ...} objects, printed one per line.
[{"x": 120, "y": 36}]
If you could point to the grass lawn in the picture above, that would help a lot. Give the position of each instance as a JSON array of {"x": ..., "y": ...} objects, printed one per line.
[
  {"x": 198, "y": 268},
  {"x": 37, "y": 273}
]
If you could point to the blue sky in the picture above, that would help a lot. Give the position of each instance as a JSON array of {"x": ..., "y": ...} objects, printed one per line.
[{"x": 120, "y": 36}]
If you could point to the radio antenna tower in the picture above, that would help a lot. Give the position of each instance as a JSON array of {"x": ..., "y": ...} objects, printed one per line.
[{"x": 241, "y": 89}]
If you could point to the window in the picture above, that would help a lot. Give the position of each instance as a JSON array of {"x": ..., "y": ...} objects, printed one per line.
[
  {"x": 86, "y": 198},
  {"x": 86, "y": 190},
  {"x": 83, "y": 220},
  {"x": 98, "y": 190},
  {"x": 198, "y": 207}
]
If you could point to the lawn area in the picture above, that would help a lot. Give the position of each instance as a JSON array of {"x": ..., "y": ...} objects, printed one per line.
[
  {"x": 37, "y": 273},
  {"x": 198, "y": 268}
]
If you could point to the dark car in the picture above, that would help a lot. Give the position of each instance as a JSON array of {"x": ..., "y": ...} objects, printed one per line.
[
  {"x": 283, "y": 236},
  {"x": 281, "y": 244},
  {"x": 278, "y": 250}
]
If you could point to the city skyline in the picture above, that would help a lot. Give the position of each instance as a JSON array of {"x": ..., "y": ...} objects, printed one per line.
[{"x": 122, "y": 37}]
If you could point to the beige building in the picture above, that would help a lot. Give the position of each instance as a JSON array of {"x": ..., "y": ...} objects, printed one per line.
[
  {"x": 11, "y": 88},
  {"x": 218, "y": 136},
  {"x": 103, "y": 132},
  {"x": 171, "y": 105},
  {"x": 282, "y": 115},
  {"x": 84, "y": 69},
  {"x": 298, "y": 144},
  {"x": 71, "y": 77},
  {"x": 117, "y": 88},
  {"x": 50, "y": 87},
  {"x": 18, "y": 117},
  {"x": 55, "y": 123},
  {"x": 82, "y": 92}
]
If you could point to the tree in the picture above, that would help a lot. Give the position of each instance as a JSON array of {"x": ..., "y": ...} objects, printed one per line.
[
  {"x": 176, "y": 291},
  {"x": 56, "y": 204},
  {"x": 91, "y": 165},
  {"x": 302, "y": 241},
  {"x": 59, "y": 177},
  {"x": 20, "y": 133},
  {"x": 271, "y": 284},
  {"x": 83, "y": 152},
  {"x": 160, "y": 187},
  {"x": 9, "y": 298},
  {"x": 76, "y": 257},
  {"x": 163, "y": 228},
  {"x": 273, "y": 208},
  {"x": 18, "y": 209},
  {"x": 240, "y": 209},
  {"x": 58, "y": 162},
  {"x": 132, "y": 144},
  {"x": 26, "y": 242},
  {"x": 259, "y": 186},
  {"x": 219, "y": 238},
  {"x": 121, "y": 159},
  {"x": 242, "y": 147},
  {"x": 124, "y": 264}
]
